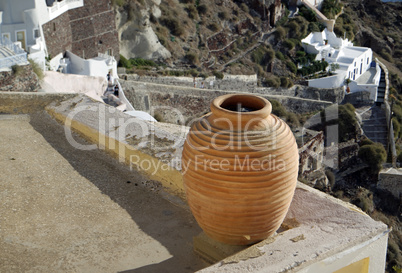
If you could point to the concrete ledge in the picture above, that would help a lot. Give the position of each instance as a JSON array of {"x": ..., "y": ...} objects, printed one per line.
[
  {"x": 29, "y": 102},
  {"x": 153, "y": 149},
  {"x": 327, "y": 234}
]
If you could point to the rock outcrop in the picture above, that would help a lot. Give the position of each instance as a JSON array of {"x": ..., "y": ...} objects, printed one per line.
[
  {"x": 20, "y": 79},
  {"x": 137, "y": 38}
]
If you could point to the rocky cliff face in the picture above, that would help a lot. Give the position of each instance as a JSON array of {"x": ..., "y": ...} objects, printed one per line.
[
  {"x": 137, "y": 38},
  {"x": 193, "y": 32}
]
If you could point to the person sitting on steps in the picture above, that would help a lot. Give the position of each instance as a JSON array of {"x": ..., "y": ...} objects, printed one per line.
[{"x": 116, "y": 90}]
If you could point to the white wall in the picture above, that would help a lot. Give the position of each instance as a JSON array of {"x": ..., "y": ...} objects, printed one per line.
[
  {"x": 67, "y": 83},
  {"x": 90, "y": 67},
  {"x": 374, "y": 249},
  {"x": 328, "y": 82}
]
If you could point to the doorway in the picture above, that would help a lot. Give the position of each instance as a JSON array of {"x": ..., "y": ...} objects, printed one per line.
[{"x": 21, "y": 38}]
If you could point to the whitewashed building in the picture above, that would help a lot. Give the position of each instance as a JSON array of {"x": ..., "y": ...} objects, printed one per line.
[
  {"x": 21, "y": 22},
  {"x": 43, "y": 29},
  {"x": 353, "y": 62}
]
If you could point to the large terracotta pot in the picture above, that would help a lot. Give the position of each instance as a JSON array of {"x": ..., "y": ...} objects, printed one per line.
[{"x": 240, "y": 165}]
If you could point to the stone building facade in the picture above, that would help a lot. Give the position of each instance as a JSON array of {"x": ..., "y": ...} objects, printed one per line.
[{"x": 85, "y": 31}]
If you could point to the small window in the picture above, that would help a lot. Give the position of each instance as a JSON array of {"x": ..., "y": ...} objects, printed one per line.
[
  {"x": 109, "y": 52},
  {"x": 36, "y": 33},
  {"x": 6, "y": 35},
  {"x": 54, "y": 26}
]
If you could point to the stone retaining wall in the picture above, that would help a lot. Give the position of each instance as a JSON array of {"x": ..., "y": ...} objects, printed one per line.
[
  {"x": 245, "y": 83},
  {"x": 176, "y": 104}
]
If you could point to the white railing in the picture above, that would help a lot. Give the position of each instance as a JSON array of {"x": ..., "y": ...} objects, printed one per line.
[
  {"x": 13, "y": 60},
  {"x": 20, "y": 56},
  {"x": 4, "y": 41},
  {"x": 60, "y": 7}
]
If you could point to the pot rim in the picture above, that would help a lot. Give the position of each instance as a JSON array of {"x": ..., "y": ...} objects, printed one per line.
[{"x": 262, "y": 105}]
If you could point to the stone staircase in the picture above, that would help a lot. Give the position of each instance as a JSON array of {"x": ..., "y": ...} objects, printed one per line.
[
  {"x": 381, "y": 89},
  {"x": 5, "y": 52},
  {"x": 375, "y": 124}
]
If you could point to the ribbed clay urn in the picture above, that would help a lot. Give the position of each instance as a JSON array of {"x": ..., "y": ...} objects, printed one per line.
[{"x": 240, "y": 165}]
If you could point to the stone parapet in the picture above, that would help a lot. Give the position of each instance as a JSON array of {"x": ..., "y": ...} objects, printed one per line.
[{"x": 178, "y": 104}]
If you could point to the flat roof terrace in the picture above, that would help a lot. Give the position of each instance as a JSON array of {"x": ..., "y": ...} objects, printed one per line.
[{"x": 69, "y": 210}]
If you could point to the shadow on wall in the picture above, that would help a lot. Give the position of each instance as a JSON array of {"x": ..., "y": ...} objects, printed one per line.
[{"x": 165, "y": 221}]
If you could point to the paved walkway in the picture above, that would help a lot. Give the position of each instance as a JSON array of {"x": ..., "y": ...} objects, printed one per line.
[{"x": 68, "y": 210}]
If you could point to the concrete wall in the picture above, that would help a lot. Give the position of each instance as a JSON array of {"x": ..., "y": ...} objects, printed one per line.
[
  {"x": 328, "y": 82},
  {"x": 362, "y": 258},
  {"x": 181, "y": 104},
  {"x": 97, "y": 68},
  {"x": 391, "y": 180}
]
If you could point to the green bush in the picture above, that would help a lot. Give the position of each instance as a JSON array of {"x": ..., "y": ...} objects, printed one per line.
[
  {"x": 280, "y": 33},
  {"x": 397, "y": 127},
  {"x": 288, "y": 44},
  {"x": 262, "y": 55},
  {"x": 330, "y": 8},
  {"x": 373, "y": 155},
  {"x": 286, "y": 82},
  {"x": 123, "y": 62},
  {"x": 194, "y": 72},
  {"x": 202, "y": 9},
  {"x": 292, "y": 120},
  {"x": 347, "y": 122},
  {"x": 173, "y": 25},
  {"x": 141, "y": 62},
  {"x": 278, "y": 109},
  {"x": 118, "y": 3},
  {"x": 192, "y": 11},
  {"x": 192, "y": 57},
  {"x": 331, "y": 178},
  {"x": 292, "y": 67},
  {"x": 399, "y": 158},
  {"x": 218, "y": 74},
  {"x": 308, "y": 14},
  {"x": 223, "y": 15},
  {"x": 214, "y": 26},
  {"x": 17, "y": 70},
  {"x": 244, "y": 7},
  {"x": 272, "y": 82},
  {"x": 37, "y": 69},
  {"x": 279, "y": 55},
  {"x": 365, "y": 141}
]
